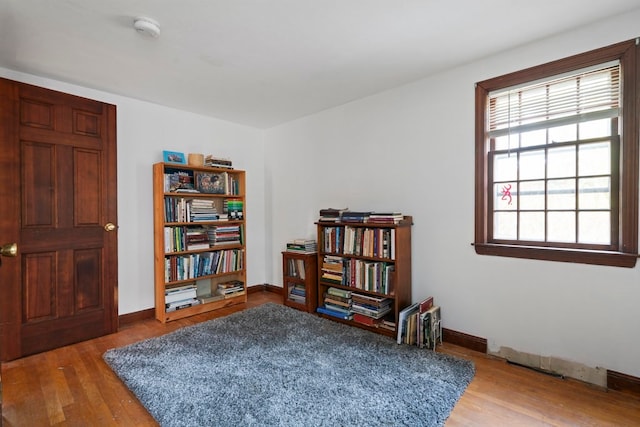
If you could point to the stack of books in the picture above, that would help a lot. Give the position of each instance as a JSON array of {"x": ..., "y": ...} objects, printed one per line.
[
  {"x": 209, "y": 298},
  {"x": 345, "y": 215},
  {"x": 225, "y": 235},
  {"x": 385, "y": 217},
  {"x": 231, "y": 289},
  {"x": 180, "y": 297},
  {"x": 203, "y": 210},
  {"x": 234, "y": 208},
  {"x": 217, "y": 162},
  {"x": 369, "y": 309},
  {"x": 351, "y": 216},
  {"x": 387, "y": 324},
  {"x": 337, "y": 303},
  {"x": 298, "y": 293},
  {"x": 332, "y": 269},
  {"x": 331, "y": 214},
  {"x": 302, "y": 246},
  {"x": 197, "y": 238}
]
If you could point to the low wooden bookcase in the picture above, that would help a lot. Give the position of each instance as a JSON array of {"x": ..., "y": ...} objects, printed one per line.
[
  {"x": 366, "y": 268},
  {"x": 299, "y": 274}
]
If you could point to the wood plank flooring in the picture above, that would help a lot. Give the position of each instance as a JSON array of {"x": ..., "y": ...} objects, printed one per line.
[{"x": 72, "y": 386}]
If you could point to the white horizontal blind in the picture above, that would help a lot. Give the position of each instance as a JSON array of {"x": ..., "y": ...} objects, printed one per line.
[{"x": 578, "y": 97}]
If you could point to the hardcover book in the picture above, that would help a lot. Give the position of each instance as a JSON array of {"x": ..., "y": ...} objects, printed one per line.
[
  {"x": 366, "y": 320},
  {"x": 333, "y": 313},
  {"x": 426, "y": 304},
  {"x": 212, "y": 183}
]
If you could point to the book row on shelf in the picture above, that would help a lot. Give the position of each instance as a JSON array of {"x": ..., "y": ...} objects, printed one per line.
[
  {"x": 345, "y": 215},
  {"x": 178, "y": 239},
  {"x": 295, "y": 268},
  {"x": 420, "y": 324},
  {"x": 190, "y": 181},
  {"x": 192, "y": 266},
  {"x": 181, "y": 209},
  {"x": 373, "y": 276},
  {"x": 369, "y": 242},
  {"x": 181, "y": 297}
]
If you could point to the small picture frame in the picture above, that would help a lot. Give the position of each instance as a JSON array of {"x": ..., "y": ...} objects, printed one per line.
[
  {"x": 174, "y": 157},
  {"x": 212, "y": 183}
]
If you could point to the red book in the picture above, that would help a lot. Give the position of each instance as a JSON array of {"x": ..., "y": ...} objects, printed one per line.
[
  {"x": 425, "y": 305},
  {"x": 365, "y": 320}
]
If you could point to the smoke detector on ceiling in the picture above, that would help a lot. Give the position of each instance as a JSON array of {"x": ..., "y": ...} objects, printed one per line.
[{"x": 147, "y": 26}]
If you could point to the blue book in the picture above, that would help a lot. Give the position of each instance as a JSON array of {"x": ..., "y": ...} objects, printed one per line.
[{"x": 333, "y": 313}]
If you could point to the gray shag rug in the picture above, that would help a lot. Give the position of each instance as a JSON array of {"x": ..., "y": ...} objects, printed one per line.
[{"x": 276, "y": 366}]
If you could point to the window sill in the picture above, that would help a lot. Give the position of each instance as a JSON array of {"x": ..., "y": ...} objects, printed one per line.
[{"x": 609, "y": 258}]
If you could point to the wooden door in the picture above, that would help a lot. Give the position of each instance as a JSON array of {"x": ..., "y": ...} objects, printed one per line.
[{"x": 57, "y": 199}]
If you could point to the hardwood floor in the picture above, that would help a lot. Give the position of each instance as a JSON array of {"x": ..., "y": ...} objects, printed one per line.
[{"x": 72, "y": 386}]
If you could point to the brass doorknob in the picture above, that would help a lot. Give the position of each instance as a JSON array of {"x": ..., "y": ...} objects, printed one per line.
[
  {"x": 10, "y": 249},
  {"x": 109, "y": 226}
]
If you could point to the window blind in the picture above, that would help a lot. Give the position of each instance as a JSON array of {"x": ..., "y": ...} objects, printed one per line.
[{"x": 584, "y": 95}]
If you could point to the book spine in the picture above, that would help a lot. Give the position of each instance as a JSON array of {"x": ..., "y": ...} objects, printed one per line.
[{"x": 337, "y": 314}]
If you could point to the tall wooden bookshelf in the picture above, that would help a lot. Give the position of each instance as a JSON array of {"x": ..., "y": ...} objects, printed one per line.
[
  {"x": 189, "y": 203},
  {"x": 374, "y": 262}
]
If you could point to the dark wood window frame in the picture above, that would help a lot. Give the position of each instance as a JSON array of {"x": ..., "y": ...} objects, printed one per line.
[{"x": 626, "y": 253}]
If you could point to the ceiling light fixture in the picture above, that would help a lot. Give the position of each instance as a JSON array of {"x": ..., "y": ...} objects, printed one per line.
[{"x": 147, "y": 26}]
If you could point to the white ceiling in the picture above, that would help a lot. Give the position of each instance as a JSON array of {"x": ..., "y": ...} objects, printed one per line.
[{"x": 264, "y": 62}]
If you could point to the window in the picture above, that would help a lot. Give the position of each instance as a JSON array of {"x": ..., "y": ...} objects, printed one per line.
[{"x": 557, "y": 160}]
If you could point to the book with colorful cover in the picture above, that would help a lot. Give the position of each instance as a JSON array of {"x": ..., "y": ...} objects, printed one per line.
[
  {"x": 339, "y": 292},
  {"x": 403, "y": 318},
  {"x": 430, "y": 328}
]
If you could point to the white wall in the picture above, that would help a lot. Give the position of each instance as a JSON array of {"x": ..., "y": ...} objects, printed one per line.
[
  {"x": 412, "y": 149},
  {"x": 144, "y": 131}
]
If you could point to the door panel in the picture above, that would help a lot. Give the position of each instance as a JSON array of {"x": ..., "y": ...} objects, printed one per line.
[
  {"x": 38, "y": 181},
  {"x": 88, "y": 286},
  {"x": 39, "y": 287},
  {"x": 60, "y": 153}
]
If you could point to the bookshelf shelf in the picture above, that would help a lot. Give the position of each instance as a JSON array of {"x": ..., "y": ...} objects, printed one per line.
[
  {"x": 365, "y": 269},
  {"x": 199, "y": 241},
  {"x": 299, "y": 276}
]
